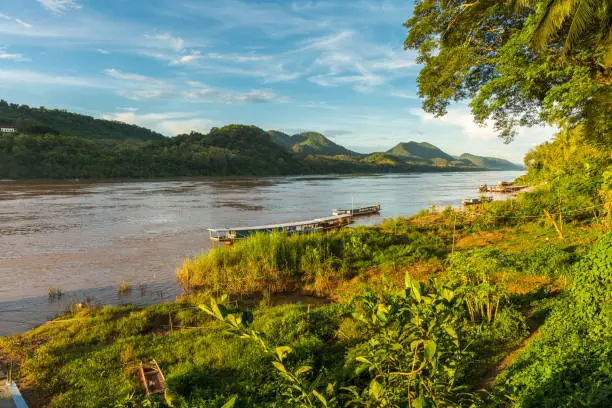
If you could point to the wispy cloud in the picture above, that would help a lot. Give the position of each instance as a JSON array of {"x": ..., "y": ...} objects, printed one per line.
[
  {"x": 404, "y": 95},
  {"x": 139, "y": 87},
  {"x": 168, "y": 123},
  {"x": 13, "y": 57},
  {"x": 103, "y": 51},
  {"x": 13, "y": 78},
  {"x": 23, "y": 23},
  {"x": 203, "y": 93},
  {"x": 166, "y": 40},
  {"x": 59, "y": 6},
  {"x": 17, "y": 20}
]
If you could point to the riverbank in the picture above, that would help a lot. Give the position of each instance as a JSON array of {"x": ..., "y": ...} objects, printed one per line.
[
  {"x": 86, "y": 239},
  {"x": 514, "y": 255}
]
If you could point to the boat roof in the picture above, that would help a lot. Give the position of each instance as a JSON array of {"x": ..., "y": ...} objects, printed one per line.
[{"x": 287, "y": 224}]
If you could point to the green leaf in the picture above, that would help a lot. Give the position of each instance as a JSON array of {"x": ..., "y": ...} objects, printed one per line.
[
  {"x": 279, "y": 366},
  {"x": 320, "y": 398},
  {"x": 451, "y": 332},
  {"x": 419, "y": 402},
  {"x": 364, "y": 360},
  {"x": 282, "y": 351},
  {"x": 303, "y": 369},
  {"x": 231, "y": 402},
  {"x": 430, "y": 349},
  {"x": 375, "y": 389}
]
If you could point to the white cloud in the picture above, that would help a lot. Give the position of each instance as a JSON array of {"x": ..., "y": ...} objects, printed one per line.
[
  {"x": 139, "y": 87},
  {"x": 10, "y": 78},
  {"x": 23, "y": 23},
  {"x": 169, "y": 123},
  {"x": 5, "y": 17},
  {"x": 186, "y": 59},
  {"x": 167, "y": 40},
  {"x": 404, "y": 95},
  {"x": 462, "y": 119},
  {"x": 203, "y": 93},
  {"x": 59, "y": 6},
  {"x": 13, "y": 57},
  {"x": 346, "y": 58},
  {"x": 103, "y": 51}
]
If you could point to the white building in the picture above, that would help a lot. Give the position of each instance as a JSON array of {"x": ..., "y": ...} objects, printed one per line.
[{"x": 7, "y": 129}]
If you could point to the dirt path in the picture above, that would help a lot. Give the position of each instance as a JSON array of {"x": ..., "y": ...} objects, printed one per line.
[{"x": 488, "y": 380}]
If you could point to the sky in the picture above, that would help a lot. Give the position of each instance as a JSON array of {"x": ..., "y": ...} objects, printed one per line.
[{"x": 333, "y": 66}]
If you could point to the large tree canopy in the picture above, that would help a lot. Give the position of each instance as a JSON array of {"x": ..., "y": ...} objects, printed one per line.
[{"x": 519, "y": 62}]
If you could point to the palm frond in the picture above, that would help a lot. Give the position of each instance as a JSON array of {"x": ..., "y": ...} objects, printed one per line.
[
  {"x": 556, "y": 12},
  {"x": 583, "y": 18}
]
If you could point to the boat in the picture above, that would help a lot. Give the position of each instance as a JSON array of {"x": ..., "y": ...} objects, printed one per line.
[
  {"x": 228, "y": 235},
  {"x": 475, "y": 201},
  {"x": 152, "y": 378},
  {"x": 502, "y": 187},
  {"x": 371, "y": 209}
]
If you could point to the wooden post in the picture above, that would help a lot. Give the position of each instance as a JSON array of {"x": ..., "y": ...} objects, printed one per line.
[
  {"x": 558, "y": 227},
  {"x": 454, "y": 224}
]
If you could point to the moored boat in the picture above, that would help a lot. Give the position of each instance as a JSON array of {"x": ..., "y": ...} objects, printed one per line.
[
  {"x": 371, "y": 209},
  {"x": 476, "y": 201},
  {"x": 228, "y": 235}
]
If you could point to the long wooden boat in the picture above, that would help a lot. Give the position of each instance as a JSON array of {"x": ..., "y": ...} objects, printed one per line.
[
  {"x": 228, "y": 235},
  {"x": 370, "y": 209}
]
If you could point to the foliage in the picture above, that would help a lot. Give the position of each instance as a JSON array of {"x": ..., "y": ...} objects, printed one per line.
[
  {"x": 569, "y": 364},
  {"x": 53, "y": 121},
  {"x": 415, "y": 355},
  {"x": 483, "y": 51}
]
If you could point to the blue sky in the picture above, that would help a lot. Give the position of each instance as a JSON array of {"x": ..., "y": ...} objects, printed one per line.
[{"x": 337, "y": 67}]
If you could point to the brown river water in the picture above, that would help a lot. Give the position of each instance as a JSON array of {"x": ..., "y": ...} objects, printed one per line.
[{"x": 86, "y": 238}]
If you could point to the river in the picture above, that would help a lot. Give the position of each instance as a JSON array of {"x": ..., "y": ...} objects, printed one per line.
[{"x": 86, "y": 238}]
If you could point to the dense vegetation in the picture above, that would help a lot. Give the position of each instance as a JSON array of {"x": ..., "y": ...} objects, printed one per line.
[
  {"x": 507, "y": 304},
  {"x": 29, "y": 120},
  {"x": 230, "y": 150}
]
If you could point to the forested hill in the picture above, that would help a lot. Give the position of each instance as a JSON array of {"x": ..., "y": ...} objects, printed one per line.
[
  {"x": 53, "y": 121},
  {"x": 308, "y": 143},
  {"x": 492, "y": 163}
]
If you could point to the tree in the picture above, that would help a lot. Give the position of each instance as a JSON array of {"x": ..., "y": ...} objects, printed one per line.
[{"x": 486, "y": 51}]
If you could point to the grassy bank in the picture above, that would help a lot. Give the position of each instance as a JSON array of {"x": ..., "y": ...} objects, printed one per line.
[{"x": 469, "y": 290}]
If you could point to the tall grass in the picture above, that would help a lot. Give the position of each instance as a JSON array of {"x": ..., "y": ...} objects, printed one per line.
[{"x": 275, "y": 263}]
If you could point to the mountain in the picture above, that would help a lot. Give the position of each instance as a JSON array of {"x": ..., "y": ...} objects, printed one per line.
[
  {"x": 422, "y": 150},
  {"x": 281, "y": 139},
  {"x": 54, "y": 121},
  {"x": 309, "y": 143},
  {"x": 491, "y": 163}
]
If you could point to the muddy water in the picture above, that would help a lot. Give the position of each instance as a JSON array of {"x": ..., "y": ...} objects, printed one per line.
[{"x": 86, "y": 238}]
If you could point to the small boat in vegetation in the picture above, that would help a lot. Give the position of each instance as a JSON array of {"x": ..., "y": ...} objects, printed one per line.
[
  {"x": 502, "y": 187},
  {"x": 228, "y": 235},
  {"x": 152, "y": 378},
  {"x": 476, "y": 201},
  {"x": 367, "y": 210}
]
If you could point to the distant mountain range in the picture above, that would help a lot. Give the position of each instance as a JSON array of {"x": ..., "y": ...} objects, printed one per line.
[
  {"x": 60, "y": 144},
  {"x": 405, "y": 153}
]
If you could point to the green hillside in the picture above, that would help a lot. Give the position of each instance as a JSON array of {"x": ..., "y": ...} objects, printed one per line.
[
  {"x": 281, "y": 139},
  {"x": 231, "y": 150},
  {"x": 316, "y": 143},
  {"x": 492, "y": 163},
  {"x": 422, "y": 150},
  {"x": 54, "y": 121}
]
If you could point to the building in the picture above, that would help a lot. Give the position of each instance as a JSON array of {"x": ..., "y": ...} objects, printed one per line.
[{"x": 7, "y": 129}]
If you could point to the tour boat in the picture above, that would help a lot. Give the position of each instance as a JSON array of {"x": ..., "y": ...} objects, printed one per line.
[
  {"x": 371, "y": 209},
  {"x": 228, "y": 235}
]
